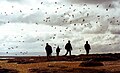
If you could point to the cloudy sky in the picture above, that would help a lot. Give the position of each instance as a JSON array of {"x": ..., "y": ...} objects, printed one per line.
[{"x": 26, "y": 25}]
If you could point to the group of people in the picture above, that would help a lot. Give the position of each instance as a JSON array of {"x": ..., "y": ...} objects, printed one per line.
[{"x": 68, "y": 48}]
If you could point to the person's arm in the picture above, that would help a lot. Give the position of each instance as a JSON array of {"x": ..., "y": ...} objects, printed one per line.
[
  {"x": 89, "y": 47},
  {"x": 84, "y": 46},
  {"x": 71, "y": 46},
  {"x": 66, "y": 46},
  {"x": 45, "y": 48},
  {"x": 51, "y": 48}
]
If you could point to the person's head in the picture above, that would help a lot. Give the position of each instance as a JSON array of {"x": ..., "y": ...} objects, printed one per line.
[
  {"x": 86, "y": 42},
  {"x": 68, "y": 41},
  {"x": 46, "y": 43}
]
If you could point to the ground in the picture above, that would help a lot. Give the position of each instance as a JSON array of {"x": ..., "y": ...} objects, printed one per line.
[{"x": 35, "y": 65}]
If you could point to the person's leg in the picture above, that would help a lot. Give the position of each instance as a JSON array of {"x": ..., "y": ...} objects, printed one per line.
[
  {"x": 50, "y": 54},
  {"x": 87, "y": 52},
  {"x": 57, "y": 53},
  {"x": 66, "y": 53},
  {"x": 47, "y": 54},
  {"x": 70, "y": 53}
]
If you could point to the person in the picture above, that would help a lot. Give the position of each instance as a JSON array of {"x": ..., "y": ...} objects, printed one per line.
[
  {"x": 68, "y": 47},
  {"x": 57, "y": 51},
  {"x": 48, "y": 49},
  {"x": 87, "y": 47}
]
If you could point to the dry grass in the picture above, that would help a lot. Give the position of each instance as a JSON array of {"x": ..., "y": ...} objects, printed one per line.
[
  {"x": 61, "y": 67},
  {"x": 65, "y": 65}
]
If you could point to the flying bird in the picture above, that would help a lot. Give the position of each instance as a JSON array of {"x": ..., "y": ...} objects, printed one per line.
[
  {"x": 20, "y": 11},
  {"x": 110, "y": 5},
  {"x": 97, "y": 5}
]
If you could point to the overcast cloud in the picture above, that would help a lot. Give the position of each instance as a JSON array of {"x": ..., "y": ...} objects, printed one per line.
[{"x": 26, "y": 25}]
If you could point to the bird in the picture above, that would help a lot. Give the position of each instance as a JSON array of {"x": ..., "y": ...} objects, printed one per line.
[
  {"x": 87, "y": 14},
  {"x": 36, "y": 23},
  {"x": 85, "y": 5},
  {"x": 20, "y": 11},
  {"x": 83, "y": 20},
  {"x": 41, "y": 2},
  {"x": 110, "y": 5},
  {"x": 38, "y": 8},
  {"x": 106, "y": 9},
  {"x": 55, "y": 2},
  {"x": 12, "y": 6},
  {"x": 97, "y": 5}
]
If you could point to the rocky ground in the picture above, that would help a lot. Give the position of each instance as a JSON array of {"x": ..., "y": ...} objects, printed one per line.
[{"x": 108, "y": 63}]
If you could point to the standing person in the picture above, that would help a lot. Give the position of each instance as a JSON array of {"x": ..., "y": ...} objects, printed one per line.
[
  {"x": 68, "y": 47},
  {"x": 48, "y": 49},
  {"x": 87, "y": 47},
  {"x": 58, "y": 50}
]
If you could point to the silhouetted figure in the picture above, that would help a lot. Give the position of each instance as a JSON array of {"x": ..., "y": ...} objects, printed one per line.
[
  {"x": 58, "y": 50},
  {"x": 48, "y": 49},
  {"x": 87, "y": 47},
  {"x": 68, "y": 47}
]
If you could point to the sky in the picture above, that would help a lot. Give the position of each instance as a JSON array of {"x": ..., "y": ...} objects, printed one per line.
[{"x": 27, "y": 25}]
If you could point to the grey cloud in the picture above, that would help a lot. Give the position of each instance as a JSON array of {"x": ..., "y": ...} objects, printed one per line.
[
  {"x": 115, "y": 29},
  {"x": 90, "y": 1},
  {"x": 91, "y": 25},
  {"x": 1, "y": 22},
  {"x": 105, "y": 48},
  {"x": 18, "y": 1},
  {"x": 40, "y": 18},
  {"x": 32, "y": 18},
  {"x": 108, "y": 5}
]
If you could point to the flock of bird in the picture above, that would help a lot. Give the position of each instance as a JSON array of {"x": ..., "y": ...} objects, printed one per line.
[{"x": 64, "y": 20}]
